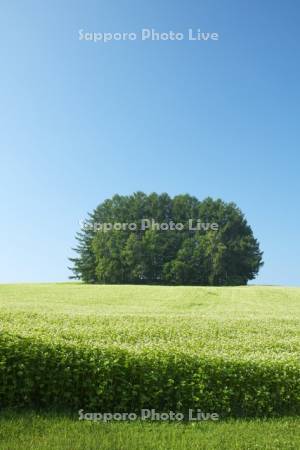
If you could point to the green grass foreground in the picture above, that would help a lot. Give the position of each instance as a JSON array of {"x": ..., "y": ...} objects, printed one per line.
[
  {"x": 53, "y": 432},
  {"x": 233, "y": 351}
]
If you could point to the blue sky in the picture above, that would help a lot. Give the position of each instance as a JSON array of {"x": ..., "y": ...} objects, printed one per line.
[{"x": 81, "y": 121}]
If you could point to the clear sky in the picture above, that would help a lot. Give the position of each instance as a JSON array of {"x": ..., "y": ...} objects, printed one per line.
[{"x": 81, "y": 121}]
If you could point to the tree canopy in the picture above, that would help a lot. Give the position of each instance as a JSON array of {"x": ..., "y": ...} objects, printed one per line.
[{"x": 156, "y": 239}]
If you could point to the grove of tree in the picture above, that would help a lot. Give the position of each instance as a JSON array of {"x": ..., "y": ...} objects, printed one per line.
[{"x": 228, "y": 255}]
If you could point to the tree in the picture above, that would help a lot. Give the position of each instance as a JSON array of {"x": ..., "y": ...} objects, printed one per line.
[{"x": 224, "y": 255}]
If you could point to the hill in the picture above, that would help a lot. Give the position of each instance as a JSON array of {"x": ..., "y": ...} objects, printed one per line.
[{"x": 233, "y": 350}]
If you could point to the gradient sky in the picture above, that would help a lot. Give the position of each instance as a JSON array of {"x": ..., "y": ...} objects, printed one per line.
[{"x": 81, "y": 121}]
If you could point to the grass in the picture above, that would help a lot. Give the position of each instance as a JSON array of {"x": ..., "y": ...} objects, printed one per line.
[
  {"x": 249, "y": 323},
  {"x": 31, "y": 431},
  {"x": 248, "y": 326}
]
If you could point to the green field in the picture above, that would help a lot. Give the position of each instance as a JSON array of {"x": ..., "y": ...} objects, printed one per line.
[
  {"x": 244, "y": 323},
  {"x": 234, "y": 351},
  {"x": 48, "y": 432}
]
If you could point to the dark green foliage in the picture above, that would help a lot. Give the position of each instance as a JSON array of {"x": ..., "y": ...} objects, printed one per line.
[
  {"x": 85, "y": 263},
  {"x": 228, "y": 256},
  {"x": 34, "y": 373}
]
